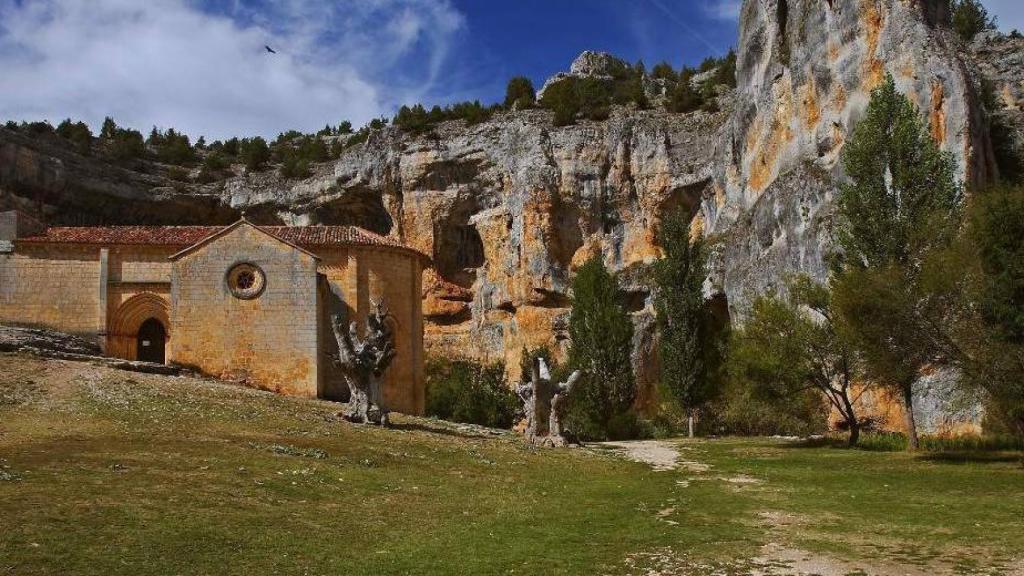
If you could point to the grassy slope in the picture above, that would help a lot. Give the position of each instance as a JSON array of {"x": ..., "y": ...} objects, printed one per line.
[{"x": 124, "y": 474}]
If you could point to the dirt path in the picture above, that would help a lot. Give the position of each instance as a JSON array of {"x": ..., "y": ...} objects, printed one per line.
[{"x": 659, "y": 455}]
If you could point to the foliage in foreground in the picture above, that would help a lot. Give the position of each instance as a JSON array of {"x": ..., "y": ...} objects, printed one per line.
[{"x": 471, "y": 393}]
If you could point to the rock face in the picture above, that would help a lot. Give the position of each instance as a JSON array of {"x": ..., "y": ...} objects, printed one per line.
[
  {"x": 510, "y": 207},
  {"x": 805, "y": 72}
]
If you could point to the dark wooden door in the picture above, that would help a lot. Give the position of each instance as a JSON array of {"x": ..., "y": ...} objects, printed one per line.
[{"x": 151, "y": 341}]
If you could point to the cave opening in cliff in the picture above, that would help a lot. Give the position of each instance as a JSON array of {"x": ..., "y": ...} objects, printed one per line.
[
  {"x": 718, "y": 305},
  {"x": 458, "y": 252},
  {"x": 356, "y": 207},
  {"x": 782, "y": 21}
]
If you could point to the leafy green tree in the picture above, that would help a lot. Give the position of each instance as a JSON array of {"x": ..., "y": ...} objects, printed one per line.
[
  {"x": 726, "y": 73},
  {"x": 562, "y": 99},
  {"x": 345, "y": 127},
  {"x": 996, "y": 228},
  {"x": 231, "y": 147},
  {"x": 791, "y": 346},
  {"x": 687, "y": 341},
  {"x": 254, "y": 152},
  {"x": 994, "y": 345},
  {"x": 684, "y": 97},
  {"x": 901, "y": 203},
  {"x": 970, "y": 17},
  {"x": 520, "y": 92},
  {"x": 601, "y": 333},
  {"x": 172, "y": 147},
  {"x": 77, "y": 133},
  {"x": 126, "y": 144},
  {"x": 664, "y": 71},
  {"x": 109, "y": 128}
]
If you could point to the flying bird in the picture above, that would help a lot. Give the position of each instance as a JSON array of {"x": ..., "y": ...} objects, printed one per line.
[{"x": 269, "y": 49}]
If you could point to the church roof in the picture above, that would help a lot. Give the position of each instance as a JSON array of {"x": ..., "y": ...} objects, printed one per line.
[{"x": 182, "y": 236}]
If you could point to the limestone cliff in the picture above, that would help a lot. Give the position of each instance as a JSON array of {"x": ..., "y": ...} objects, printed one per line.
[
  {"x": 507, "y": 208},
  {"x": 805, "y": 72}
]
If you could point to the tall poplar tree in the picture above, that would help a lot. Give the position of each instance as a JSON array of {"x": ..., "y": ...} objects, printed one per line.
[{"x": 901, "y": 204}]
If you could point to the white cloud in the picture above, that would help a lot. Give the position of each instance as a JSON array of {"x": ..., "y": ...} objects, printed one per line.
[
  {"x": 723, "y": 9},
  {"x": 172, "y": 64},
  {"x": 1009, "y": 12}
]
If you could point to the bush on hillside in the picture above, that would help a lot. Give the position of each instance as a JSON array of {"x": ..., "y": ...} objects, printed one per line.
[
  {"x": 520, "y": 92},
  {"x": 254, "y": 153},
  {"x": 77, "y": 133},
  {"x": 970, "y": 18}
]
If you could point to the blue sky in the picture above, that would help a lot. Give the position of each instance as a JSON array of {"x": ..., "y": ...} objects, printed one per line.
[{"x": 200, "y": 65}]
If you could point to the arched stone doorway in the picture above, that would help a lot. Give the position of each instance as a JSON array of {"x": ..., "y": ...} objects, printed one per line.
[
  {"x": 150, "y": 341},
  {"x": 124, "y": 331}
]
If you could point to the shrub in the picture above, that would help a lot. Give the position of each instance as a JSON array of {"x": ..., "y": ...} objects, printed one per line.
[
  {"x": 77, "y": 133},
  {"x": 969, "y": 18},
  {"x": 896, "y": 441},
  {"x": 172, "y": 147},
  {"x": 127, "y": 144},
  {"x": 562, "y": 99},
  {"x": 684, "y": 97},
  {"x": 741, "y": 410},
  {"x": 664, "y": 71},
  {"x": 520, "y": 92},
  {"x": 294, "y": 166},
  {"x": 178, "y": 174},
  {"x": 463, "y": 391},
  {"x": 254, "y": 152}
]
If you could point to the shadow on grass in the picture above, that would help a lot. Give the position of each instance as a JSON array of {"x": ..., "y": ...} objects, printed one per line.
[
  {"x": 973, "y": 457},
  {"x": 439, "y": 429},
  {"x": 932, "y": 450}
]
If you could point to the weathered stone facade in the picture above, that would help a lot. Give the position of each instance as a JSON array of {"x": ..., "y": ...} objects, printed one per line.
[
  {"x": 108, "y": 283},
  {"x": 270, "y": 340}
]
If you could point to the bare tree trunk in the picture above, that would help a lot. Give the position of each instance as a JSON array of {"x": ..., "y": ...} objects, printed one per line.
[
  {"x": 689, "y": 423},
  {"x": 851, "y": 418},
  {"x": 908, "y": 407}
]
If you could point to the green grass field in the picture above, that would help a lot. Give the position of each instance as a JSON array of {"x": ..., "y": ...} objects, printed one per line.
[{"x": 110, "y": 472}]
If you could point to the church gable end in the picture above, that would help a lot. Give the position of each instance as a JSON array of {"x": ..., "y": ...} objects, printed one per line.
[{"x": 244, "y": 307}]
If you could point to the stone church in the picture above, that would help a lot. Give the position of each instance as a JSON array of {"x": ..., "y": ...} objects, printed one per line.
[{"x": 242, "y": 302}]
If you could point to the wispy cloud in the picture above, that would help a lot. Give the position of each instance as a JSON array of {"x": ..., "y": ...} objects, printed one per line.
[
  {"x": 203, "y": 68},
  {"x": 723, "y": 9}
]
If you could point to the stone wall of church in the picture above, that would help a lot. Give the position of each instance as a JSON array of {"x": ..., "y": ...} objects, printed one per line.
[
  {"x": 268, "y": 341},
  {"x": 52, "y": 286},
  {"x": 357, "y": 276}
]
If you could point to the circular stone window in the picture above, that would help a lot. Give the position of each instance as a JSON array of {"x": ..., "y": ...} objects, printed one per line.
[{"x": 246, "y": 281}]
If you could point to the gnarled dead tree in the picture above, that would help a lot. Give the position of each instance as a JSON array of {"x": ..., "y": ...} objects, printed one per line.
[
  {"x": 544, "y": 404},
  {"x": 363, "y": 361}
]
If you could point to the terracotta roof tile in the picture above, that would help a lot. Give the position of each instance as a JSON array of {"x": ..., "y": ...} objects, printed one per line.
[{"x": 182, "y": 236}]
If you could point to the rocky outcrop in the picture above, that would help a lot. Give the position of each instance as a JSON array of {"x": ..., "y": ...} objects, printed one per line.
[
  {"x": 42, "y": 175},
  {"x": 806, "y": 69}
]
